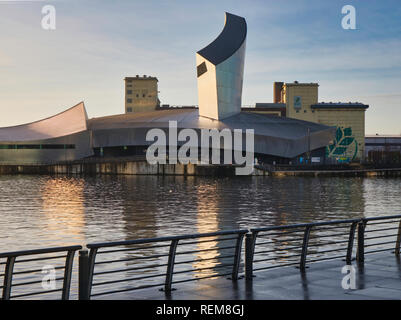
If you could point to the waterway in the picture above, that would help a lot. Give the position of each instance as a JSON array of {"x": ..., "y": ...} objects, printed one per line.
[{"x": 46, "y": 211}]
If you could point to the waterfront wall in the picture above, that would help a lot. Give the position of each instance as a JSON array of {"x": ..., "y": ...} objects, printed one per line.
[
  {"x": 124, "y": 167},
  {"x": 144, "y": 168}
]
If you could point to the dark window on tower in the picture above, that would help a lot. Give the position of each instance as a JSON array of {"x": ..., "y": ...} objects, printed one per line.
[
  {"x": 201, "y": 69},
  {"x": 129, "y": 100},
  {"x": 129, "y": 91}
]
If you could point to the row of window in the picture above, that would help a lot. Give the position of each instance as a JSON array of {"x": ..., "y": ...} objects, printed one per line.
[
  {"x": 137, "y": 95},
  {"x": 37, "y": 146}
]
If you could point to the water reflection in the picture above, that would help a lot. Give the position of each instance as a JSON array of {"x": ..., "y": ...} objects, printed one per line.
[
  {"x": 45, "y": 211},
  {"x": 63, "y": 212},
  {"x": 207, "y": 207}
]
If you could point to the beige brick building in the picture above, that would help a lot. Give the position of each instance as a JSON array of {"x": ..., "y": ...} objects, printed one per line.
[
  {"x": 301, "y": 100},
  {"x": 141, "y": 94}
]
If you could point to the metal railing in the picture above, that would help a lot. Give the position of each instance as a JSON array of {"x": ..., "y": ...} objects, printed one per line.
[
  {"x": 213, "y": 251},
  {"x": 299, "y": 244},
  {"x": 13, "y": 262},
  {"x": 124, "y": 266}
]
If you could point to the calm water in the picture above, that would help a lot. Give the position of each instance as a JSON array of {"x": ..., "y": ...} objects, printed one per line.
[{"x": 43, "y": 211}]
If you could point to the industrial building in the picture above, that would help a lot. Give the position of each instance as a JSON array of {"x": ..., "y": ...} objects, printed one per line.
[
  {"x": 72, "y": 136},
  {"x": 141, "y": 94},
  {"x": 300, "y": 101}
]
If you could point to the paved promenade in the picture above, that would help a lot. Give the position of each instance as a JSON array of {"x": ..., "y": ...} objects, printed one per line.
[{"x": 379, "y": 279}]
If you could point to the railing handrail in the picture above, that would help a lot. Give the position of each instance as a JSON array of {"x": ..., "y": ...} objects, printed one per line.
[
  {"x": 303, "y": 225},
  {"x": 39, "y": 251},
  {"x": 322, "y": 223},
  {"x": 162, "y": 239}
]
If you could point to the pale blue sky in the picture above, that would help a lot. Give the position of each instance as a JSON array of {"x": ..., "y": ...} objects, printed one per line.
[{"x": 97, "y": 43}]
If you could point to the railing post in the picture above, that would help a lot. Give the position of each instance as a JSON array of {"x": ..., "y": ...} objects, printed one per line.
[
  {"x": 304, "y": 253},
  {"x": 92, "y": 258},
  {"x": 8, "y": 278},
  {"x": 351, "y": 239},
  {"x": 250, "y": 239},
  {"x": 398, "y": 243},
  {"x": 67, "y": 275},
  {"x": 237, "y": 256},
  {"x": 83, "y": 286},
  {"x": 361, "y": 243},
  {"x": 170, "y": 265}
]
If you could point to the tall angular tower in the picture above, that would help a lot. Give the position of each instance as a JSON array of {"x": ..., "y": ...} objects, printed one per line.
[{"x": 220, "y": 70}]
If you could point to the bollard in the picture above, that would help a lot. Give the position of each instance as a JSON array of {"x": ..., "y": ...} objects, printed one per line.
[
  {"x": 83, "y": 264},
  {"x": 249, "y": 248}
]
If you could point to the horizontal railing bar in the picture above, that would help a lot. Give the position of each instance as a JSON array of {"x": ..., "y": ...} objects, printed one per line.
[
  {"x": 331, "y": 250},
  {"x": 275, "y": 258},
  {"x": 128, "y": 279},
  {"x": 162, "y": 239},
  {"x": 302, "y": 225},
  {"x": 379, "y": 250},
  {"x": 332, "y": 227},
  {"x": 35, "y": 270},
  {"x": 326, "y": 258},
  {"x": 279, "y": 240},
  {"x": 200, "y": 278},
  {"x": 379, "y": 237},
  {"x": 204, "y": 250},
  {"x": 39, "y": 251},
  {"x": 131, "y": 259},
  {"x": 281, "y": 249},
  {"x": 130, "y": 269},
  {"x": 201, "y": 260},
  {"x": 129, "y": 289},
  {"x": 383, "y": 222},
  {"x": 328, "y": 235},
  {"x": 382, "y": 218},
  {"x": 35, "y": 293},
  {"x": 206, "y": 268},
  {"x": 31, "y": 282},
  {"x": 134, "y": 249},
  {"x": 203, "y": 241},
  {"x": 380, "y": 230},
  {"x": 378, "y": 243},
  {"x": 40, "y": 259},
  {"x": 277, "y": 266},
  {"x": 327, "y": 243},
  {"x": 264, "y": 235}
]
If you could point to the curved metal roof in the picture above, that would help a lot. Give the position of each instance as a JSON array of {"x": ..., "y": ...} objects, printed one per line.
[
  {"x": 70, "y": 121},
  {"x": 274, "y": 135},
  {"x": 228, "y": 42}
]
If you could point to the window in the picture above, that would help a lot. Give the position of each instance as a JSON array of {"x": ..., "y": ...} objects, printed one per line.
[
  {"x": 129, "y": 91},
  {"x": 137, "y": 95},
  {"x": 201, "y": 69},
  {"x": 129, "y": 109},
  {"x": 129, "y": 100},
  {"x": 144, "y": 95}
]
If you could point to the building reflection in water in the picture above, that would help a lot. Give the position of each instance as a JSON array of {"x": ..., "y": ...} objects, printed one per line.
[
  {"x": 211, "y": 217},
  {"x": 63, "y": 213},
  {"x": 309, "y": 200}
]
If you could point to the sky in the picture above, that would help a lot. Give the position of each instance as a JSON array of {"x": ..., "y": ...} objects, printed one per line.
[{"x": 97, "y": 43}]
